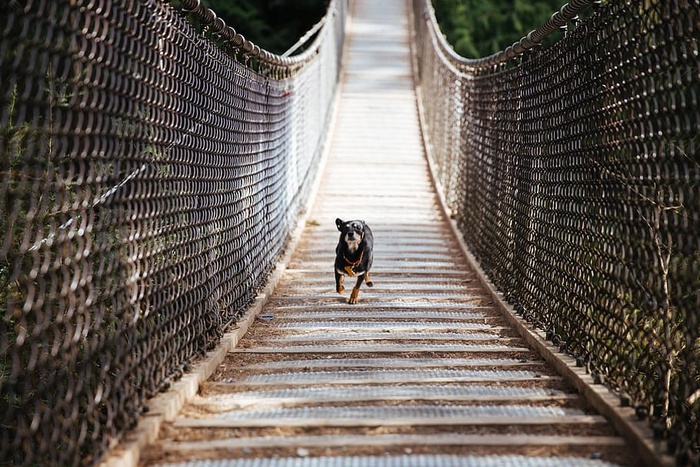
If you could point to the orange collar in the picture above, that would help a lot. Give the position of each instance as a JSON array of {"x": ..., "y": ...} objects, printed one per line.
[{"x": 356, "y": 262}]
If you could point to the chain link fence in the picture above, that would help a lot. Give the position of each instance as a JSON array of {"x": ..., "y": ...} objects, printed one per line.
[
  {"x": 574, "y": 174},
  {"x": 152, "y": 165}
]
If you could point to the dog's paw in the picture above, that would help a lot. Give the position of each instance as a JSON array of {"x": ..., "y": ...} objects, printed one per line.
[
  {"x": 370, "y": 284},
  {"x": 349, "y": 270},
  {"x": 353, "y": 296},
  {"x": 340, "y": 289}
]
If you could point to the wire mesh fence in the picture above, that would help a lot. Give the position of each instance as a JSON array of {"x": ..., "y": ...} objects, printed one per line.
[
  {"x": 573, "y": 172},
  {"x": 152, "y": 164}
]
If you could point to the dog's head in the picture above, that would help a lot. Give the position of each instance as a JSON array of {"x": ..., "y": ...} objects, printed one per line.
[{"x": 351, "y": 232}]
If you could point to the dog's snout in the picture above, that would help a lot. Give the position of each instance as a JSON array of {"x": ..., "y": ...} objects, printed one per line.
[{"x": 351, "y": 235}]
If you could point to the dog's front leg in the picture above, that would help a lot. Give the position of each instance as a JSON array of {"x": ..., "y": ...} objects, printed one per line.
[
  {"x": 339, "y": 282},
  {"x": 356, "y": 290}
]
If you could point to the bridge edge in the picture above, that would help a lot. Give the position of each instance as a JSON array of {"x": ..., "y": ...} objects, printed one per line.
[
  {"x": 598, "y": 396},
  {"x": 126, "y": 452}
]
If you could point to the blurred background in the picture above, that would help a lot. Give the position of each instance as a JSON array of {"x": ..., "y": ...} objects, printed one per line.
[{"x": 475, "y": 28}]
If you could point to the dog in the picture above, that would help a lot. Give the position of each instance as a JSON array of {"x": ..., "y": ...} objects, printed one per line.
[{"x": 353, "y": 255}]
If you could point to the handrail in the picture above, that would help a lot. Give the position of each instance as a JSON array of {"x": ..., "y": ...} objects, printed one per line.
[
  {"x": 305, "y": 38},
  {"x": 555, "y": 23},
  {"x": 230, "y": 37}
]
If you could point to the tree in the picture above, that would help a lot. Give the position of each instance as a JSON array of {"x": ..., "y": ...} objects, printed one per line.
[
  {"x": 477, "y": 28},
  {"x": 274, "y": 25}
]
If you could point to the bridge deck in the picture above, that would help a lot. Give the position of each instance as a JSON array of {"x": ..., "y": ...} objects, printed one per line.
[{"x": 423, "y": 370}]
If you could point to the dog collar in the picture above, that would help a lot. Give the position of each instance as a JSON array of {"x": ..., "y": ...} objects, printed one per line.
[{"x": 355, "y": 263}]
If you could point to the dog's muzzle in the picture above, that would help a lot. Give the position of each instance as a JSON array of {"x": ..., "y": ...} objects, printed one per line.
[{"x": 353, "y": 236}]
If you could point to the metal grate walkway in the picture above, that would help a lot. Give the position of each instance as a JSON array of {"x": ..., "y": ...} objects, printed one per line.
[{"x": 423, "y": 370}]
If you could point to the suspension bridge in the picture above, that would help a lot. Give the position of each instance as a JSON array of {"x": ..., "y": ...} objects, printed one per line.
[{"x": 170, "y": 192}]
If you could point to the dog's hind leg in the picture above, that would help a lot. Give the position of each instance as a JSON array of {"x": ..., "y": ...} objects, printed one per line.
[{"x": 339, "y": 278}]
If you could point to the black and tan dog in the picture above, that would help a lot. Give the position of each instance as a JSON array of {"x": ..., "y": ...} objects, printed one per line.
[{"x": 353, "y": 255}]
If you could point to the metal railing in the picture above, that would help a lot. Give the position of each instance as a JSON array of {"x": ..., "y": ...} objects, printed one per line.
[
  {"x": 574, "y": 174},
  {"x": 151, "y": 169}
]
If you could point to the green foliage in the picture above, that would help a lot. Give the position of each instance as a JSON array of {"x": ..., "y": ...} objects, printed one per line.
[
  {"x": 274, "y": 25},
  {"x": 478, "y": 28}
]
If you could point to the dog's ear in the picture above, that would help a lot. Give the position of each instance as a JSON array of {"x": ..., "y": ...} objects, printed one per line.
[{"x": 339, "y": 223}]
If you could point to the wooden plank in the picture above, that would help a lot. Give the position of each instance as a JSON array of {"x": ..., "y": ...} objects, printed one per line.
[
  {"x": 389, "y": 440},
  {"x": 399, "y": 297},
  {"x": 468, "y": 314},
  {"x": 360, "y": 349},
  {"x": 339, "y": 304},
  {"x": 299, "y": 338},
  {"x": 328, "y": 290},
  {"x": 375, "y": 422},
  {"x": 393, "y": 271},
  {"x": 390, "y": 363},
  {"x": 284, "y": 402},
  {"x": 387, "y": 380},
  {"x": 365, "y": 325}
]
